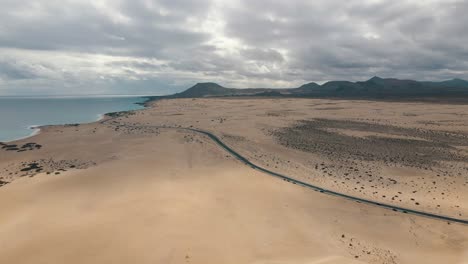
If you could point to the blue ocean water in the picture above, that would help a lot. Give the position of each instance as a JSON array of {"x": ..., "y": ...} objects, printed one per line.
[{"x": 18, "y": 115}]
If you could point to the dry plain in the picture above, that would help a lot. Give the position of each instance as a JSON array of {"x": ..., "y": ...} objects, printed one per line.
[{"x": 135, "y": 189}]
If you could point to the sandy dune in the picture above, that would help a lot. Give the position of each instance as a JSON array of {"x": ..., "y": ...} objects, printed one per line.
[
  {"x": 433, "y": 175},
  {"x": 127, "y": 192}
]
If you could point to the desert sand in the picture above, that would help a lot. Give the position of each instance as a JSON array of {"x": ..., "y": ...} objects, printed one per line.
[{"x": 135, "y": 189}]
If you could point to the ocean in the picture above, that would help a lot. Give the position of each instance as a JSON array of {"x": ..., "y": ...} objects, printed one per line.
[{"x": 18, "y": 116}]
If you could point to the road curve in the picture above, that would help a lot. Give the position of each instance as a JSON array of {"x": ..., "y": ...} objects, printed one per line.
[
  {"x": 310, "y": 186},
  {"x": 319, "y": 189}
]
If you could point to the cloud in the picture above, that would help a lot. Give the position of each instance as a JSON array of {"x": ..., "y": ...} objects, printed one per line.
[
  {"x": 14, "y": 71},
  {"x": 155, "y": 47}
]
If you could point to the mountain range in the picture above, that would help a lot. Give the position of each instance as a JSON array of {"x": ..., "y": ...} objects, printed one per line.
[{"x": 375, "y": 87}]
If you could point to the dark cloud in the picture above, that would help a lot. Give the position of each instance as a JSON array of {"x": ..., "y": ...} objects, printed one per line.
[
  {"x": 158, "y": 46},
  {"x": 12, "y": 71},
  {"x": 354, "y": 40},
  {"x": 130, "y": 28}
]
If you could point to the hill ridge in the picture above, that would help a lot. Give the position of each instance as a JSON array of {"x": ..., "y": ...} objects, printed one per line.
[{"x": 375, "y": 87}]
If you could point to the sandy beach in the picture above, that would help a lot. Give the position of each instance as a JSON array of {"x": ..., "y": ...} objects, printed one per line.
[{"x": 132, "y": 188}]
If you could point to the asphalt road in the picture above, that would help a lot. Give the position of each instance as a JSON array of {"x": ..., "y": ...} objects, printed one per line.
[
  {"x": 319, "y": 189},
  {"x": 313, "y": 187}
]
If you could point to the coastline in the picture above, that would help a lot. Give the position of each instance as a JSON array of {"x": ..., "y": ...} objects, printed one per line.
[
  {"x": 104, "y": 179},
  {"x": 99, "y": 117},
  {"x": 36, "y": 131}
]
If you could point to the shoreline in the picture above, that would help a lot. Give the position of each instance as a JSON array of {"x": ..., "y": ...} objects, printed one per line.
[
  {"x": 36, "y": 131},
  {"x": 234, "y": 181},
  {"x": 100, "y": 117}
]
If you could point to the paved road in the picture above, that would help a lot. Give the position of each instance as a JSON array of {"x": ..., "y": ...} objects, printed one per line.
[
  {"x": 310, "y": 186},
  {"x": 319, "y": 189}
]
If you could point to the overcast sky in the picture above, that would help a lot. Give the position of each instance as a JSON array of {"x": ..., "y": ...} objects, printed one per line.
[{"x": 164, "y": 46}]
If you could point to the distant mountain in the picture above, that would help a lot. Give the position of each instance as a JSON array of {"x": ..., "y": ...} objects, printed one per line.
[
  {"x": 214, "y": 89},
  {"x": 375, "y": 87},
  {"x": 305, "y": 89},
  {"x": 204, "y": 89},
  {"x": 454, "y": 83}
]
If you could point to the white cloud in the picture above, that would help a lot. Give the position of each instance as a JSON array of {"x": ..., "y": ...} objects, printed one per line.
[{"x": 161, "y": 46}]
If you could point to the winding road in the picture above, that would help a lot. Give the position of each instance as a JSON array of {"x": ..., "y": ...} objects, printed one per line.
[
  {"x": 319, "y": 189},
  {"x": 310, "y": 186}
]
